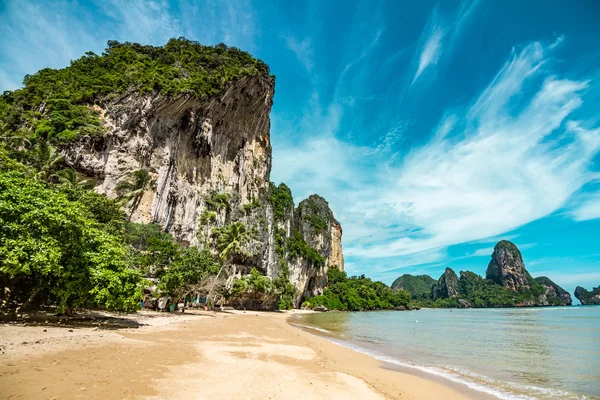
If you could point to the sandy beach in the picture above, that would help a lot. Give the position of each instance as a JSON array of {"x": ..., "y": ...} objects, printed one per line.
[{"x": 202, "y": 355}]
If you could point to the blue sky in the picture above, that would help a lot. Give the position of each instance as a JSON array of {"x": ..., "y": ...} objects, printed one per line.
[{"x": 434, "y": 129}]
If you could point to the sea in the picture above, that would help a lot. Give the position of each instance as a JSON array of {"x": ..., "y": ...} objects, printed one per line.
[{"x": 507, "y": 353}]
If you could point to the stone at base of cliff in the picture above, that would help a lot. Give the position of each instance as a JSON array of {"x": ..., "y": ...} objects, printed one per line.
[
  {"x": 462, "y": 303},
  {"x": 320, "y": 308}
]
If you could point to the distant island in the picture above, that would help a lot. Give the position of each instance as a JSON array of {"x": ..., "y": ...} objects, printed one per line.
[
  {"x": 507, "y": 284},
  {"x": 586, "y": 297}
]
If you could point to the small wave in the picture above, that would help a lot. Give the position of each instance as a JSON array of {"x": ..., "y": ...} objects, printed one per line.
[
  {"x": 471, "y": 380},
  {"x": 312, "y": 327}
]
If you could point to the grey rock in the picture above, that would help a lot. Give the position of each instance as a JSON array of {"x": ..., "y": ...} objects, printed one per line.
[{"x": 506, "y": 267}]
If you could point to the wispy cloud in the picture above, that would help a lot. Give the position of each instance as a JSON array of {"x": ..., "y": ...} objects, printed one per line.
[
  {"x": 440, "y": 35},
  {"x": 488, "y": 169},
  {"x": 302, "y": 49},
  {"x": 587, "y": 208},
  {"x": 431, "y": 51}
]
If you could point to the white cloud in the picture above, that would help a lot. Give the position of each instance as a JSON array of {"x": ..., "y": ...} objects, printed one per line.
[
  {"x": 431, "y": 51},
  {"x": 440, "y": 36},
  {"x": 302, "y": 49},
  {"x": 488, "y": 169},
  {"x": 588, "y": 208},
  {"x": 487, "y": 251}
]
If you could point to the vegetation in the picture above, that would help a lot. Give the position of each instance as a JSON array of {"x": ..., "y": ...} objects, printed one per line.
[
  {"x": 313, "y": 213},
  {"x": 218, "y": 201},
  {"x": 56, "y": 248},
  {"x": 262, "y": 289},
  {"x": 480, "y": 292},
  {"x": 281, "y": 200},
  {"x": 297, "y": 247},
  {"x": 132, "y": 188},
  {"x": 358, "y": 294},
  {"x": 57, "y": 104},
  {"x": 253, "y": 205},
  {"x": 418, "y": 286},
  {"x": 189, "y": 272}
]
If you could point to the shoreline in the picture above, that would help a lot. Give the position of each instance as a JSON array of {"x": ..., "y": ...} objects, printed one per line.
[
  {"x": 238, "y": 354},
  {"x": 388, "y": 363}
]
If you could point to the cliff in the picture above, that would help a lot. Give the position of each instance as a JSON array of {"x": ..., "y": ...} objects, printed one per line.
[
  {"x": 507, "y": 284},
  {"x": 418, "y": 286},
  {"x": 555, "y": 295},
  {"x": 203, "y": 139},
  {"x": 447, "y": 286},
  {"x": 506, "y": 267},
  {"x": 586, "y": 297}
]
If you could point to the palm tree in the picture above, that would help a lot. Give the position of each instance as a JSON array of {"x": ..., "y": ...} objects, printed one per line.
[
  {"x": 133, "y": 187},
  {"x": 69, "y": 177},
  {"x": 231, "y": 241},
  {"x": 46, "y": 159}
]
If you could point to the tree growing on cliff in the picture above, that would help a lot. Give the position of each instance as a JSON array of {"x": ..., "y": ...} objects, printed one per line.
[{"x": 132, "y": 188}]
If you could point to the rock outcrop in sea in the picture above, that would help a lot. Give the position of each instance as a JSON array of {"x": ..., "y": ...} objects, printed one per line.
[
  {"x": 210, "y": 163},
  {"x": 554, "y": 293},
  {"x": 507, "y": 284},
  {"x": 587, "y": 297}
]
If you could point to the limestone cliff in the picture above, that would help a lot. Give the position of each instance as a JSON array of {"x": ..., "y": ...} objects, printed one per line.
[
  {"x": 586, "y": 297},
  {"x": 506, "y": 267},
  {"x": 447, "y": 286},
  {"x": 210, "y": 161},
  {"x": 555, "y": 295}
]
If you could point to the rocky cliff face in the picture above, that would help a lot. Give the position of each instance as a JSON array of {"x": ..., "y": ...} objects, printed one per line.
[
  {"x": 210, "y": 162},
  {"x": 506, "y": 267},
  {"x": 447, "y": 286},
  {"x": 555, "y": 295},
  {"x": 586, "y": 297}
]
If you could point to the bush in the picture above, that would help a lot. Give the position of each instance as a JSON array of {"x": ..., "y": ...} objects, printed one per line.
[
  {"x": 357, "y": 294},
  {"x": 53, "y": 244}
]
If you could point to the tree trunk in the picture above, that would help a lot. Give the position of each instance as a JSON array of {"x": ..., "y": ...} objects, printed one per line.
[{"x": 29, "y": 300}]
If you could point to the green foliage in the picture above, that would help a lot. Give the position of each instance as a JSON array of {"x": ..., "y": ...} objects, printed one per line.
[
  {"x": 281, "y": 200},
  {"x": 313, "y": 213},
  {"x": 207, "y": 216},
  {"x": 253, "y": 205},
  {"x": 317, "y": 223},
  {"x": 56, "y": 104},
  {"x": 55, "y": 242},
  {"x": 152, "y": 250},
  {"x": 284, "y": 288},
  {"x": 259, "y": 286},
  {"x": 133, "y": 186},
  {"x": 297, "y": 247},
  {"x": 481, "y": 292},
  {"x": 218, "y": 201},
  {"x": 189, "y": 268},
  {"x": 231, "y": 240},
  {"x": 358, "y": 294},
  {"x": 418, "y": 286}
]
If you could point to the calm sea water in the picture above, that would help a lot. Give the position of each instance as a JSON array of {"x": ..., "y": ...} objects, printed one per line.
[{"x": 527, "y": 353}]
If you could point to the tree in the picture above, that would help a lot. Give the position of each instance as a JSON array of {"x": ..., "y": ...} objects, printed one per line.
[
  {"x": 191, "y": 272},
  {"x": 55, "y": 246},
  {"x": 69, "y": 177},
  {"x": 132, "y": 188},
  {"x": 231, "y": 242},
  {"x": 44, "y": 157}
]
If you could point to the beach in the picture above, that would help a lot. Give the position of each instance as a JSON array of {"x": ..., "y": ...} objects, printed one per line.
[{"x": 199, "y": 355}]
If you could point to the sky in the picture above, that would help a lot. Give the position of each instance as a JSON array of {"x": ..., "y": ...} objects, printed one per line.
[{"x": 434, "y": 129}]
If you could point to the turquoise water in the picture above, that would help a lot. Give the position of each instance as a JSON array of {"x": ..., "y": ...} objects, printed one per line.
[{"x": 527, "y": 353}]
